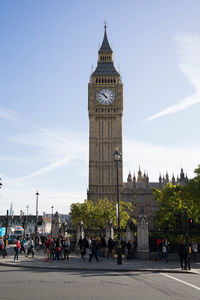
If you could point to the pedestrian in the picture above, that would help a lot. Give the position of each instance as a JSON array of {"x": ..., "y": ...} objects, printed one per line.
[
  {"x": 110, "y": 248},
  {"x": 52, "y": 249},
  {"x": 165, "y": 250},
  {"x": 159, "y": 249},
  {"x": 17, "y": 249},
  {"x": 80, "y": 244},
  {"x": 47, "y": 248},
  {"x": 103, "y": 246},
  {"x": 129, "y": 248},
  {"x": 22, "y": 246},
  {"x": 184, "y": 255},
  {"x": 93, "y": 250},
  {"x": 1, "y": 246},
  {"x": 31, "y": 247},
  {"x": 98, "y": 247},
  {"x": 66, "y": 246},
  {"x": 85, "y": 246},
  {"x": 194, "y": 249}
]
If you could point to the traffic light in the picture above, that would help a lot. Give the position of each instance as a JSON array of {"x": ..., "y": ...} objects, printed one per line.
[{"x": 0, "y": 183}]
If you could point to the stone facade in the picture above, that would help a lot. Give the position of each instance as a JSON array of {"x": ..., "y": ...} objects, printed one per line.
[{"x": 139, "y": 191}]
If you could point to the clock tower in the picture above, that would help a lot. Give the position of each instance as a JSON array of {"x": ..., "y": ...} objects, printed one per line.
[{"x": 105, "y": 108}]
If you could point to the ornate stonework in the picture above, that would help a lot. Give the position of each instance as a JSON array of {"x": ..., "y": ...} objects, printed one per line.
[{"x": 105, "y": 108}]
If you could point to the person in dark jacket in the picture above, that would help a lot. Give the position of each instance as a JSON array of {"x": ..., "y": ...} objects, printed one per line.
[
  {"x": 80, "y": 244},
  {"x": 103, "y": 246},
  {"x": 85, "y": 246},
  {"x": 94, "y": 248},
  {"x": 129, "y": 248},
  {"x": 110, "y": 248},
  {"x": 184, "y": 255}
]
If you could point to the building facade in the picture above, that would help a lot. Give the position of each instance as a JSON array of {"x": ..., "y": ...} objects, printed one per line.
[{"x": 139, "y": 191}]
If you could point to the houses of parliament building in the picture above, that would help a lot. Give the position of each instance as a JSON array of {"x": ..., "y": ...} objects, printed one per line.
[{"x": 105, "y": 109}]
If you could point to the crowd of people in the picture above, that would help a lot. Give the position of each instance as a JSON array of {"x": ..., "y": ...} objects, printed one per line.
[
  {"x": 54, "y": 248},
  {"x": 96, "y": 248},
  {"x": 185, "y": 250}
]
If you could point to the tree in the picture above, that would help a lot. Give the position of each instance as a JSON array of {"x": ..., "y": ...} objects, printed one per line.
[
  {"x": 177, "y": 203},
  {"x": 170, "y": 205},
  {"x": 97, "y": 214}
]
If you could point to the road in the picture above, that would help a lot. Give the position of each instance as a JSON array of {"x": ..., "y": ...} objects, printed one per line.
[{"x": 32, "y": 284}]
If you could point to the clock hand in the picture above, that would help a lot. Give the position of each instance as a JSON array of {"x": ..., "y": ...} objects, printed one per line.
[{"x": 104, "y": 95}]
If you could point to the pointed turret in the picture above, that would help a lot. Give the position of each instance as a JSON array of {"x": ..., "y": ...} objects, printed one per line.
[
  {"x": 173, "y": 179},
  {"x": 105, "y": 64},
  {"x": 134, "y": 181},
  {"x": 182, "y": 176},
  {"x": 129, "y": 179},
  {"x": 167, "y": 177},
  {"x": 139, "y": 178},
  {"x": 160, "y": 181},
  {"x": 105, "y": 46}
]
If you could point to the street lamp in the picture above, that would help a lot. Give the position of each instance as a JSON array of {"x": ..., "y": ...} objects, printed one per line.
[
  {"x": 51, "y": 219},
  {"x": 117, "y": 157},
  {"x": 36, "y": 226}
]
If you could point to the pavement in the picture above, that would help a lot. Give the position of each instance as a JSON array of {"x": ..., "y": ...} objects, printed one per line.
[{"x": 76, "y": 263}]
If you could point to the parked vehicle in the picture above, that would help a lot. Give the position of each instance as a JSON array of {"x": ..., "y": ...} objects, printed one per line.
[{"x": 12, "y": 238}]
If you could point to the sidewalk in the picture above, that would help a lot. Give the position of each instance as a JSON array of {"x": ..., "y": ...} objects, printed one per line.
[{"x": 76, "y": 263}]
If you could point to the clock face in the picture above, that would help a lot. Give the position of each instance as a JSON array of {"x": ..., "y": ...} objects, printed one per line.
[{"x": 105, "y": 96}]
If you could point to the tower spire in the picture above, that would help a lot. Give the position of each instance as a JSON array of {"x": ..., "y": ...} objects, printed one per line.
[
  {"x": 105, "y": 64},
  {"x": 105, "y": 24}
]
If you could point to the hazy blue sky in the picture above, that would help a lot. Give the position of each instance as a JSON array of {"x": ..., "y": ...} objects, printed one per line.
[{"x": 46, "y": 52}]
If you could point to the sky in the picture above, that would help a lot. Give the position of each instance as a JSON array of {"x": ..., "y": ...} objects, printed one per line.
[{"x": 46, "y": 56}]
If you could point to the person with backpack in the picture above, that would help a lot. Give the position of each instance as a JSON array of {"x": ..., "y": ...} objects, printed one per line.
[
  {"x": 22, "y": 246},
  {"x": 184, "y": 255}
]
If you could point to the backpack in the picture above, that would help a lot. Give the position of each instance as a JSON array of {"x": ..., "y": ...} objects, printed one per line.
[{"x": 1, "y": 245}]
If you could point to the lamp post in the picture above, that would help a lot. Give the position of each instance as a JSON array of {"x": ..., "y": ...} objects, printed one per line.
[
  {"x": 51, "y": 220},
  {"x": 117, "y": 157},
  {"x": 36, "y": 226}
]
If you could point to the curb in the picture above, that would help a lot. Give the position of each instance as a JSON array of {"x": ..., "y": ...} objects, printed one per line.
[{"x": 98, "y": 269}]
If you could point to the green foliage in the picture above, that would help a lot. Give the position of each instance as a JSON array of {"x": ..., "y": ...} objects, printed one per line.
[
  {"x": 178, "y": 199},
  {"x": 97, "y": 214}
]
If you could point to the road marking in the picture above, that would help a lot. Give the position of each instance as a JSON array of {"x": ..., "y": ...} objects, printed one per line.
[{"x": 184, "y": 282}]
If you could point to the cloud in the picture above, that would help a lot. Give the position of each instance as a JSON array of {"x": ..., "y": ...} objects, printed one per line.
[
  {"x": 53, "y": 143},
  {"x": 56, "y": 146},
  {"x": 51, "y": 167},
  {"x": 189, "y": 64},
  {"x": 8, "y": 114}
]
